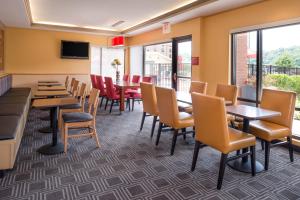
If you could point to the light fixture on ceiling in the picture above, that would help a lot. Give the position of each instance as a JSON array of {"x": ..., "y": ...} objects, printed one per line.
[{"x": 118, "y": 23}]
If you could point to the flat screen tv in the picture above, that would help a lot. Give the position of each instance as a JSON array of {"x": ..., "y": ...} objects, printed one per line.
[{"x": 74, "y": 50}]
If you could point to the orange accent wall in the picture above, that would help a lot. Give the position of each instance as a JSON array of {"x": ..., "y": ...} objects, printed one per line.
[
  {"x": 190, "y": 27},
  {"x": 30, "y": 51},
  {"x": 211, "y": 35}
]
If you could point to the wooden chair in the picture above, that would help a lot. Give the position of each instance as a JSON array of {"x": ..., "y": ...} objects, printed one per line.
[
  {"x": 199, "y": 87},
  {"x": 75, "y": 88},
  {"x": 78, "y": 107},
  {"x": 169, "y": 115},
  {"x": 72, "y": 84},
  {"x": 275, "y": 128},
  {"x": 79, "y": 120},
  {"x": 212, "y": 130},
  {"x": 149, "y": 104},
  {"x": 67, "y": 82}
]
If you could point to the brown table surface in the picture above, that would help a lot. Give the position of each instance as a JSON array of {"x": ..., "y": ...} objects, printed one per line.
[
  {"x": 126, "y": 84},
  {"x": 49, "y": 84},
  {"x": 251, "y": 112},
  {"x": 53, "y": 102},
  {"x": 52, "y": 88},
  {"x": 51, "y": 93},
  {"x": 47, "y": 81},
  {"x": 185, "y": 97},
  {"x": 122, "y": 86}
]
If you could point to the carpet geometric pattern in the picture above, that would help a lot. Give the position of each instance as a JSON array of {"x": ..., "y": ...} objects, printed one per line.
[{"x": 129, "y": 166}]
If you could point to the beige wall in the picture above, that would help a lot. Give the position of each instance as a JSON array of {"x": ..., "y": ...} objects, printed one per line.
[
  {"x": 32, "y": 55},
  {"x": 190, "y": 27}
]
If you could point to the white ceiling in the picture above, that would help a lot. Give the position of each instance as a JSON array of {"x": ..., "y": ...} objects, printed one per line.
[{"x": 101, "y": 14}]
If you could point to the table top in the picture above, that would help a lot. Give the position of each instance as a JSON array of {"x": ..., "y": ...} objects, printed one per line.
[
  {"x": 49, "y": 84},
  {"x": 126, "y": 84},
  {"x": 52, "y": 88},
  {"x": 51, "y": 93},
  {"x": 53, "y": 102},
  {"x": 185, "y": 97},
  {"x": 48, "y": 81},
  {"x": 251, "y": 112}
]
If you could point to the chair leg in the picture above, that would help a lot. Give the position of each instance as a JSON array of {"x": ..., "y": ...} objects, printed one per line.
[
  {"x": 96, "y": 136},
  {"x": 183, "y": 131},
  {"x": 153, "y": 125},
  {"x": 194, "y": 132},
  {"x": 132, "y": 107},
  {"x": 222, "y": 170},
  {"x": 101, "y": 102},
  {"x": 111, "y": 105},
  {"x": 291, "y": 150},
  {"x": 158, "y": 133},
  {"x": 262, "y": 144},
  {"x": 65, "y": 138},
  {"x": 195, "y": 156},
  {"x": 143, "y": 120},
  {"x": 106, "y": 103},
  {"x": 267, "y": 154},
  {"x": 253, "y": 160},
  {"x": 174, "y": 141}
]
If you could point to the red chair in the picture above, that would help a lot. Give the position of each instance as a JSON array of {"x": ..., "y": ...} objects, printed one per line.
[
  {"x": 134, "y": 94},
  {"x": 93, "y": 80},
  {"x": 147, "y": 79},
  {"x": 111, "y": 94},
  {"x": 126, "y": 78},
  {"x": 100, "y": 86}
]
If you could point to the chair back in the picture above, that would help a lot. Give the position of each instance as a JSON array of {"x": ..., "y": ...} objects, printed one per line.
[
  {"x": 110, "y": 90},
  {"x": 147, "y": 79},
  {"x": 149, "y": 98},
  {"x": 126, "y": 78},
  {"x": 228, "y": 92},
  {"x": 167, "y": 106},
  {"x": 136, "y": 78},
  {"x": 280, "y": 101},
  {"x": 93, "y": 80},
  {"x": 72, "y": 84},
  {"x": 210, "y": 121},
  {"x": 93, "y": 102},
  {"x": 100, "y": 85},
  {"x": 75, "y": 88},
  {"x": 198, "y": 86},
  {"x": 67, "y": 82},
  {"x": 81, "y": 95}
]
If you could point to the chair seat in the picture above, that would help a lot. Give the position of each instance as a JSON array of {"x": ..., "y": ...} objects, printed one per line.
[
  {"x": 239, "y": 140},
  {"x": 71, "y": 106},
  {"x": 185, "y": 120},
  {"x": 268, "y": 131},
  {"x": 136, "y": 96},
  {"x": 77, "y": 117}
]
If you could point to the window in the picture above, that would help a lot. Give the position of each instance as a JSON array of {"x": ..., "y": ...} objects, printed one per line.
[
  {"x": 267, "y": 58},
  {"x": 158, "y": 63},
  {"x": 101, "y": 59},
  {"x": 136, "y": 60}
]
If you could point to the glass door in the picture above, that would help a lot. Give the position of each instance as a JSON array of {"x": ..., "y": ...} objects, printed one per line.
[{"x": 182, "y": 65}]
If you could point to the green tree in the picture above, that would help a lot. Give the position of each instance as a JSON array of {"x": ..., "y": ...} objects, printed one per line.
[{"x": 285, "y": 60}]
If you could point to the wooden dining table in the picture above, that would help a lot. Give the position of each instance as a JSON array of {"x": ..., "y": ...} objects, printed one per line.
[
  {"x": 51, "y": 88},
  {"x": 185, "y": 97},
  {"x": 122, "y": 86},
  {"x": 55, "y": 147},
  {"x": 48, "y": 81},
  {"x": 248, "y": 113},
  {"x": 49, "y": 84}
]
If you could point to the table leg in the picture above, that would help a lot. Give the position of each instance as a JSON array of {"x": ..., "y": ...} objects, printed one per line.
[
  {"x": 47, "y": 129},
  {"x": 244, "y": 164},
  {"x": 55, "y": 147},
  {"x": 122, "y": 99}
]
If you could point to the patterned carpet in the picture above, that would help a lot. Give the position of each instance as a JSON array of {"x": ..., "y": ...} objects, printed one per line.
[{"x": 129, "y": 166}]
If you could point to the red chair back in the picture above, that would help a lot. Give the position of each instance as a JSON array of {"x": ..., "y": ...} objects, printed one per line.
[
  {"x": 100, "y": 85},
  {"x": 110, "y": 90},
  {"x": 136, "y": 79},
  {"x": 147, "y": 79},
  {"x": 93, "y": 80},
  {"x": 126, "y": 78}
]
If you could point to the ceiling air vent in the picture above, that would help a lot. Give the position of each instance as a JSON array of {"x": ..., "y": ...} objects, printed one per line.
[{"x": 117, "y": 23}]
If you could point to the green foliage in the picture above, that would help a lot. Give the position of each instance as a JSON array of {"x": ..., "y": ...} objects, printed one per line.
[
  {"x": 285, "y": 60},
  {"x": 270, "y": 57}
]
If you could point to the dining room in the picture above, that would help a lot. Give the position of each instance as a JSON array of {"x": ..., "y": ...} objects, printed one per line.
[{"x": 177, "y": 99}]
